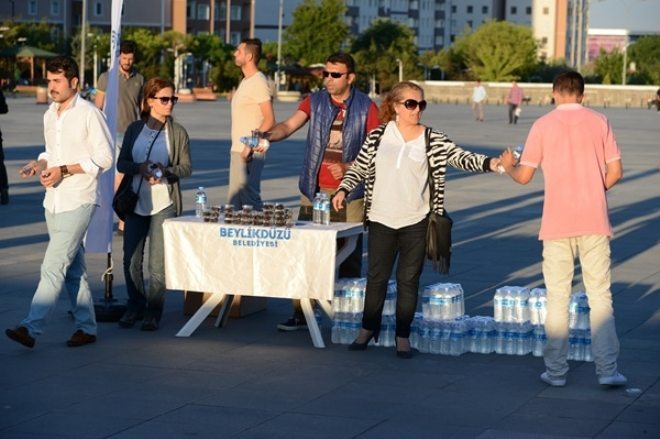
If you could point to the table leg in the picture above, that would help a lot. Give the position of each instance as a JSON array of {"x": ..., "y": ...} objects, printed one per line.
[
  {"x": 201, "y": 314},
  {"x": 346, "y": 249},
  {"x": 312, "y": 325},
  {"x": 326, "y": 305},
  {"x": 223, "y": 315}
]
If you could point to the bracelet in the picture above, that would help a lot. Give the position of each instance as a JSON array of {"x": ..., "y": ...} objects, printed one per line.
[{"x": 65, "y": 171}]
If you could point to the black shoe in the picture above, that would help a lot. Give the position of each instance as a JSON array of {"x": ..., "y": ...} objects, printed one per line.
[
  {"x": 150, "y": 324},
  {"x": 293, "y": 324},
  {"x": 405, "y": 355},
  {"x": 129, "y": 318},
  {"x": 20, "y": 334},
  {"x": 4, "y": 196},
  {"x": 356, "y": 346},
  {"x": 80, "y": 338}
]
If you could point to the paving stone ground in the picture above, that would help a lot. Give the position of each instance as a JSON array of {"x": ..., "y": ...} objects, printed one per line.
[{"x": 247, "y": 380}]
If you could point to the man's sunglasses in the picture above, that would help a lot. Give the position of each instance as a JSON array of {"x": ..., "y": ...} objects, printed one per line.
[
  {"x": 411, "y": 104},
  {"x": 166, "y": 99},
  {"x": 335, "y": 75}
]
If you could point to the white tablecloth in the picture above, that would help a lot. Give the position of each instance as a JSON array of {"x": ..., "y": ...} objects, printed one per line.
[{"x": 253, "y": 261}]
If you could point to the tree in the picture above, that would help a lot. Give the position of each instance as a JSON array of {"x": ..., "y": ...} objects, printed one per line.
[
  {"x": 223, "y": 73},
  {"x": 377, "y": 49},
  {"x": 608, "y": 66},
  {"x": 317, "y": 30},
  {"x": 498, "y": 51},
  {"x": 645, "y": 53}
]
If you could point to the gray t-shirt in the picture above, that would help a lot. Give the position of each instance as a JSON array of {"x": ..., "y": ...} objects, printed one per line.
[{"x": 130, "y": 98}]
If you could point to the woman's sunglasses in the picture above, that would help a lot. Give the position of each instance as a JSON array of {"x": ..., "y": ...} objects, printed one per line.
[
  {"x": 166, "y": 99},
  {"x": 335, "y": 75},
  {"x": 411, "y": 104}
]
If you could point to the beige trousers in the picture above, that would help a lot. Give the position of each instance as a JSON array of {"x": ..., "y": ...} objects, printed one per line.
[{"x": 559, "y": 257}]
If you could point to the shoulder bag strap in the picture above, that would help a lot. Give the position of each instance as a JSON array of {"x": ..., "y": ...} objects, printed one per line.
[{"x": 149, "y": 151}]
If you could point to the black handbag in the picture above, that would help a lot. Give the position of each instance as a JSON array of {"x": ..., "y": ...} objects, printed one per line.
[
  {"x": 438, "y": 231},
  {"x": 125, "y": 200}
]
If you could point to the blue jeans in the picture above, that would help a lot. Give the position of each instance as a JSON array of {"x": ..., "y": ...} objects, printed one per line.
[
  {"x": 137, "y": 229},
  {"x": 64, "y": 265},
  {"x": 385, "y": 244}
]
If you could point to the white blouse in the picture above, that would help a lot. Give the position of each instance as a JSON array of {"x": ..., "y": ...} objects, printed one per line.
[{"x": 401, "y": 195}]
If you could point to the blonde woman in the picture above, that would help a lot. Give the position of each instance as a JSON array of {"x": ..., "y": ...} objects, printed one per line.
[{"x": 396, "y": 162}]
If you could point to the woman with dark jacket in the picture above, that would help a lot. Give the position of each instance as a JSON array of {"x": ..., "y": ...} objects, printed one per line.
[
  {"x": 396, "y": 163},
  {"x": 155, "y": 155}
]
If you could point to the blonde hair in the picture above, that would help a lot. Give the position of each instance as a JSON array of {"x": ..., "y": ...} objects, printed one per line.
[{"x": 387, "y": 112}]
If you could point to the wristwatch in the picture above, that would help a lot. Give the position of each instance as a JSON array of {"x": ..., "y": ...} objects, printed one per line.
[{"x": 65, "y": 171}]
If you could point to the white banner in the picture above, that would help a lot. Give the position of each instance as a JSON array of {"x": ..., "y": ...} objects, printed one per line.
[
  {"x": 99, "y": 233},
  {"x": 253, "y": 261}
]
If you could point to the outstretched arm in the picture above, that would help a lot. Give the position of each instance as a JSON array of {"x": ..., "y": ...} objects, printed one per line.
[{"x": 521, "y": 173}]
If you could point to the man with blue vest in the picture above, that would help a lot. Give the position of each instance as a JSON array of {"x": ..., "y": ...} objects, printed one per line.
[{"x": 340, "y": 116}]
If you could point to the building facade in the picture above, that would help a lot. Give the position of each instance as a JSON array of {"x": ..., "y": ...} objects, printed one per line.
[{"x": 560, "y": 26}]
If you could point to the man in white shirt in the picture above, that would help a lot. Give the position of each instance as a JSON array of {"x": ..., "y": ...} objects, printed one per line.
[
  {"x": 78, "y": 151},
  {"x": 478, "y": 98},
  {"x": 251, "y": 109}
]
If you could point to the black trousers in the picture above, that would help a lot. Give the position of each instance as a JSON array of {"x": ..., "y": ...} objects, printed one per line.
[
  {"x": 385, "y": 245},
  {"x": 512, "y": 113}
]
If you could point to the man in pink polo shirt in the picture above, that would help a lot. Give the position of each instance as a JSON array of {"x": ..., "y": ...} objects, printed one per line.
[{"x": 581, "y": 160}]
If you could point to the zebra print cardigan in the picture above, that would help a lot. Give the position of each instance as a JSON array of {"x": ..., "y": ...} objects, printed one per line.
[{"x": 440, "y": 151}]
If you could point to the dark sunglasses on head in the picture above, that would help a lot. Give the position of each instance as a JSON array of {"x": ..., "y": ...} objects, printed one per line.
[
  {"x": 166, "y": 99},
  {"x": 335, "y": 75},
  {"x": 411, "y": 104}
]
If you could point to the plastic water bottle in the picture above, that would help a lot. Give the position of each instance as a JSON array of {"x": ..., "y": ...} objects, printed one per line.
[
  {"x": 316, "y": 209},
  {"x": 325, "y": 209},
  {"x": 517, "y": 151},
  {"x": 201, "y": 201}
]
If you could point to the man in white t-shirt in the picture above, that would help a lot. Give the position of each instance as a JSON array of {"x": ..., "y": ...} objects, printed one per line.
[
  {"x": 251, "y": 109},
  {"x": 478, "y": 98}
]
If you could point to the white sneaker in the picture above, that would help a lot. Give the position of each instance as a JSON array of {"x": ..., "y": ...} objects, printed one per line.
[
  {"x": 553, "y": 381},
  {"x": 615, "y": 379}
]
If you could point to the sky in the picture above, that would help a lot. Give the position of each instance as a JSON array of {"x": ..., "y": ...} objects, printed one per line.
[{"x": 636, "y": 15}]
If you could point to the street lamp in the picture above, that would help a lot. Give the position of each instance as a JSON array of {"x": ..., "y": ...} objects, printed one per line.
[
  {"x": 279, "y": 45},
  {"x": 400, "y": 69}
]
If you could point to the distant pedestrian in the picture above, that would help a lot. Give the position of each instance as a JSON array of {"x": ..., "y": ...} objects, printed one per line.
[
  {"x": 478, "y": 99},
  {"x": 514, "y": 98},
  {"x": 581, "y": 160},
  {"x": 78, "y": 150}
]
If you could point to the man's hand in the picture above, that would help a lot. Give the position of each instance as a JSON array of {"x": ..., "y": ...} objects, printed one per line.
[
  {"x": 32, "y": 168},
  {"x": 51, "y": 177},
  {"x": 246, "y": 154},
  {"x": 508, "y": 160},
  {"x": 337, "y": 170}
]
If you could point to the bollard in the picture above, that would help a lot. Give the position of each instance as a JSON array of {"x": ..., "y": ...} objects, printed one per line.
[{"x": 42, "y": 95}]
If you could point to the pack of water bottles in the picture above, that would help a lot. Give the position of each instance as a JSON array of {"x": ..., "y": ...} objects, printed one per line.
[
  {"x": 348, "y": 305},
  {"x": 511, "y": 304},
  {"x": 442, "y": 301},
  {"x": 578, "y": 311},
  {"x": 481, "y": 334},
  {"x": 445, "y": 337},
  {"x": 514, "y": 338},
  {"x": 537, "y": 306},
  {"x": 579, "y": 345}
]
